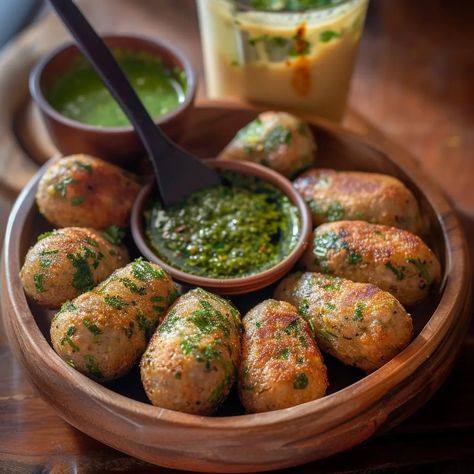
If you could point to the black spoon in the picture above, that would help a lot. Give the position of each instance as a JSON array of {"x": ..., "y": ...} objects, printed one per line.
[{"x": 177, "y": 172}]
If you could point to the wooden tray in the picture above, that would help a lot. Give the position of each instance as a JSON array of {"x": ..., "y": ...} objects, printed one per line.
[{"x": 356, "y": 407}]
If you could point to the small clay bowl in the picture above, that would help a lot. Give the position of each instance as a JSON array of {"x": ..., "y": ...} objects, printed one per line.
[
  {"x": 230, "y": 286},
  {"x": 120, "y": 145}
]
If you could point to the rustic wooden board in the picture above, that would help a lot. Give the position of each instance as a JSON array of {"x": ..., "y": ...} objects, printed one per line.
[{"x": 356, "y": 407}]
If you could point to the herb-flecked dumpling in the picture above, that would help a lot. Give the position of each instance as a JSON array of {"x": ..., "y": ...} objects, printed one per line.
[
  {"x": 193, "y": 357},
  {"x": 354, "y": 195},
  {"x": 278, "y": 140},
  {"x": 393, "y": 259},
  {"x": 357, "y": 323},
  {"x": 67, "y": 262},
  {"x": 84, "y": 191},
  {"x": 281, "y": 364},
  {"x": 103, "y": 332}
]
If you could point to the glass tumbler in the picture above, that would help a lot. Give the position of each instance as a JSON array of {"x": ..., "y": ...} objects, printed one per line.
[{"x": 272, "y": 52}]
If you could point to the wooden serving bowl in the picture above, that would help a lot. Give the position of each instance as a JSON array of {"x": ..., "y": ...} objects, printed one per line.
[{"x": 356, "y": 406}]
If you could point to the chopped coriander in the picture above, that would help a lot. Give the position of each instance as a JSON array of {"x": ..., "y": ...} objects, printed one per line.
[
  {"x": 358, "y": 312},
  {"x": 421, "y": 266},
  {"x": 144, "y": 271},
  {"x": 77, "y": 201},
  {"x": 313, "y": 205},
  {"x": 258, "y": 324},
  {"x": 277, "y": 136},
  {"x": 353, "y": 258},
  {"x": 92, "y": 366},
  {"x": 61, "y": 186},
  {"x": 398, "y": 272},
  {"x": 335, "y": 212},
  {"x": 67, "y": 306},
  {"x": 84, "y": 166},
  {"x": 157, "y": 299},
  {"x": 303, "y": 308},
  {"x": 114, "y": 234},
  {"x": 293, "y": 327},
  {"x": 336, "y": 285},
  {"x": 91, "y": 241},
  {"x": 95, "y": 256},
  {"x": 209, "y": 319},
  {"x": 219, "y": 392},
  {"x": 82, "y": 279},
  {"x": 116, "y": 302},
  {"x": 284, "y": 354},
  {"x": 311, "y": 326},
  {"x": 45, "y": 259},
  {"x": 323, "y": 243},
  {"x": 44, "y": 235},
  {"x": 139, "y": 290},
  {"x": 332, "y": 241},
  {"x": 38, "y": 279},
  {"x": 145, "y": 325},
  {"x": 91, "y": 327},
  {"x": 177, "y": 375},
  {"x": 328, "y": 35},
  {"x": 300, "y": 382},
  {"x": 67, "y": 339}
]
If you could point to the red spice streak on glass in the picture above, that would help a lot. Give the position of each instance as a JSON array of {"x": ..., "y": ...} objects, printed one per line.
[{"x": 301, "y": 78}]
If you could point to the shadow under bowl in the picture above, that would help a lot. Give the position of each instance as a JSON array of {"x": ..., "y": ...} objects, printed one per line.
[
  {"x": 230, "y": 286},
  {"x": 119, "y": 145}
]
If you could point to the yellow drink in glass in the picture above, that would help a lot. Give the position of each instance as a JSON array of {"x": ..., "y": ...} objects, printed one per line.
[{"x": 300, "y": 60}]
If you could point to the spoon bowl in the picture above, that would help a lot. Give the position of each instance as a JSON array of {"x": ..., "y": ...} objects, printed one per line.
[{"x": 239, "y": 285}]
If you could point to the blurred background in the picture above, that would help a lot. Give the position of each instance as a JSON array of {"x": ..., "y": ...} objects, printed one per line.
[{"x": 413, "y": 79}]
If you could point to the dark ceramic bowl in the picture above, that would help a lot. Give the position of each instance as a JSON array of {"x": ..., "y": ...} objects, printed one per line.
[
  {"x": 230, "y": 286},
  {"x": 120, "y": 145}
]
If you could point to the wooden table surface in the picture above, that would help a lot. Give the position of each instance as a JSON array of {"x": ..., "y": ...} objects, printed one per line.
[{"x": 415, "y": 82}]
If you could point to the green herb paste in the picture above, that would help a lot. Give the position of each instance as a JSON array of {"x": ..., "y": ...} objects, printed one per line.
[
  {"x": 291, "y": 5},
  {"x": 80, "y": 95},
  {"x": 239, "y": 228}
]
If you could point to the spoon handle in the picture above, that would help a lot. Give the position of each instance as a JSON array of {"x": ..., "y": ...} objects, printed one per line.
[{"x": 167, "y": 158}]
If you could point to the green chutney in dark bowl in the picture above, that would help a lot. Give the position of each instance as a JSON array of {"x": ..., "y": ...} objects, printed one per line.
[{"x": 240, "y": 228}]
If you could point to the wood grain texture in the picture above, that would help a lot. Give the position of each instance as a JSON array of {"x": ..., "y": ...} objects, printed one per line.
[
  {"x": 277, "y": 439},
  {"x": 414, "y": 80}
]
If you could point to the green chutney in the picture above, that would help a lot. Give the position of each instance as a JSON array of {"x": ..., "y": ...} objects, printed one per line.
[
  {"x": 239, "y": 228},
  {"x": 291, "y": 5},
  {"x": 80, "y": 95}
]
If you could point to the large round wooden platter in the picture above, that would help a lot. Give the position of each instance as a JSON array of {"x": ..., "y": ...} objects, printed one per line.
[{"x": 356, "y": 407}]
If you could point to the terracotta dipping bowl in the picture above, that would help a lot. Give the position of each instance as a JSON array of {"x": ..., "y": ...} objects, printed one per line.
[
  {"x": 120, "y": 145},
  {"x": 230, "y": 286}
]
